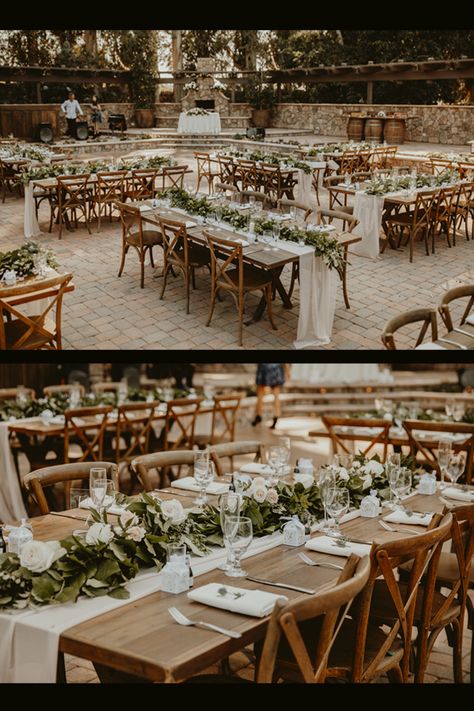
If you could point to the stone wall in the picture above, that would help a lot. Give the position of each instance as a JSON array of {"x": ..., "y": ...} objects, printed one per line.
[{"x": 426, "y": 124}]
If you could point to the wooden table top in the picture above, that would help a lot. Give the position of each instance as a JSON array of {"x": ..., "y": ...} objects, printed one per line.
[{"x": 141, "y": 638}]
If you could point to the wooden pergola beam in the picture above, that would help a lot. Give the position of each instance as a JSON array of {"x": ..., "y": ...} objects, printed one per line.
[{"x": 62, "y": 75}]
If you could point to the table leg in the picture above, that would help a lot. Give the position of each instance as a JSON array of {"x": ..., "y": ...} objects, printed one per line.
[{"x": 277, "y": 284}]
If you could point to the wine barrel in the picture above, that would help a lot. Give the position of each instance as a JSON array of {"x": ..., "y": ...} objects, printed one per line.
[
  {"x": 394, "y": 131},
  {"x": 355, "y": 128},
  {"x": 374, "y": 130}
]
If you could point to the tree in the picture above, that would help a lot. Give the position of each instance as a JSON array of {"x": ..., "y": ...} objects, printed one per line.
[{"x": 138, "y": 51}]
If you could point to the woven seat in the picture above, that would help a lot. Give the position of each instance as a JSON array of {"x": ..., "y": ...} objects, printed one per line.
[{"x": 134, "y": 235}]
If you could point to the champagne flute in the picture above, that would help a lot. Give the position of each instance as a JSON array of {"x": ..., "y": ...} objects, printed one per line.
[
  {"x": 95, "y": 474},
  {"x": 229, "y": 505},
  {"x": 276, "y": 457},
  {"x": 239, "y": 532},
  {"x": 203, "y": 474},
  {"x": 392, "y": 466},
  {"x": 338, "y": 505},
  {"x": 327, "y": 486},
  {"x": 98, "y": 492},
  {"x": 276, "y": 234},
  {"x": 402, "y": 486},
  {"x": 445, "y": 447}
]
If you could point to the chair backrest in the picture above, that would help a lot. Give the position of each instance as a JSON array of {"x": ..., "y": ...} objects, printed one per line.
[
  {"x": 246, "y": 194},
  {"x": 181, "y": 416},
  {"x": 339, "y": 436},
  {"x": 458, "y": 292},
  {"x": 135, "y": 420},
  {"x": 142, "y": 184},
  {"x": 132, "y": 223},
  {"x": 110, "y": 186},
  {"x": 427, "y": 317},
  {"x": 462, "y": 536},
  {"x": 296, "y": 205},
  {"x": 73, "y": 190},
  {"x": 348, "y": 162},
  {"x": 11, "y": 393},
  {"x": 175, "y": 242},
  {"x": 219, "y": 452},
  {"x": 173, "y": 177},
  {"x": 325, "y": 217},
  {"x": 220, "y": 187},
  {"x": 203, "y": 161},
  {"x": 110, "y": 386},
  {"x": 66, "y": 388},
  {"x": 224, "y": 417},
  {"x": 226, "y": 169},
  {"x": 143, "y": 464},
  {"x": 225, "y": 256},
  {"x": 246, "y": 172},
  {"x": 421, "y": 444},
  {"x": 88, "y": 433},
  {"x": 330, "y": 605},
  {"x": 38, "y": 480},
  {"x": 442, "y": 204},
  {"x": 19, "y": 330}
]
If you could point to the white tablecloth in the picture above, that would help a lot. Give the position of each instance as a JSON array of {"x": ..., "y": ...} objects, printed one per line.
[
  {"x": 11, "y": 503},
  {"x": 368, "y": 210},
  {"x": 209, "y": 123},
  {"x": 31, "y": 227},
  {"x": 337, "y": 372},
  {"x": 29, "y": 639}
]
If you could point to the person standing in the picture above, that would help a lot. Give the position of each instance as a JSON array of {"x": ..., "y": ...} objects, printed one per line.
[
  {"x": 72, "y": 109},
  {"x": 273, "y": 376},
  {"x": 96, "y": 116}
]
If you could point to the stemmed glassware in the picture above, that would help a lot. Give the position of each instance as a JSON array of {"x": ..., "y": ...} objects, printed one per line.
[
  {"x": 102, "y": 494},
  {"x": 229, "y": 505},
  {"x": 327, "y": 486},
  {"x": 393, "y": 467},
  {"x": 276, "y": 234},
  {"x": 455, "y": 467},
  {"x": 458, "y": 411},
  {"x": 444, "y": 453},
  {"x": 338, "y": 505},
  {"x": 22, "y": 397},
  {"x": 239, "y": 533},
  {"x": 203, "y": 474},
  {"x": 277, "y": 458},
  {"x": 401, "y": 486},
  {"x": 343, "y": 459}
]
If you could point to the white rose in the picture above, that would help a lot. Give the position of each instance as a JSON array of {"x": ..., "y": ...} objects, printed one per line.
[
  {"x": 258, "y": 482},
  {"x": 343, "y": 474},
  {"x": 38, "y": 556},
  {"x": 174, "y": 510},
  {"x": 259, "y": 494},
  {"x": 127, "y": 517},
  {"x": 99, "y": 533},
  {"x": 272, "y": 496},
  {"x": 356, "y": 465},
  {"x": 373, "y": 467},
  {"x": 136, "y": 533},
  {"x": 306, "y": 479},
  {"x": 366, "y": 481}
]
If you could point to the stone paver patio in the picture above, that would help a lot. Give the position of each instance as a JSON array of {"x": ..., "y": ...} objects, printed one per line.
[{"x": 105, "y": 312}]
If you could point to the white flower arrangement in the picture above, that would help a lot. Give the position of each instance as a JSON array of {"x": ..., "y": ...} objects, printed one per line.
[
  {"x": 99, "y": 533},
  {"x": 197, "y": 112},
  {"x": 173, "y": 510},
  {"x": 190, "y": 86},
  {"x": 38, "y": 556},
  {"x": 218, "y": 85}
]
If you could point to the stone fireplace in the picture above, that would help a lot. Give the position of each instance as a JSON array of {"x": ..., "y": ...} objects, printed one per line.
[{"x": 203, "y": 93}]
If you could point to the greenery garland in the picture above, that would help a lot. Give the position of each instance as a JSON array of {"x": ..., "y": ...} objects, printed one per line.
[
  {"x": 97, "y": 166},
  {"x": 383, "y": 186},
  {"x": 273, "y": 158},
  {"x": 110, "y": 555},
  {"x": 22, "y": 260}
]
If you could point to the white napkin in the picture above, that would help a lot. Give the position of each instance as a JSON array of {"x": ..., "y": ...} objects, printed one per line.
[
  {"x": 144, "y": 208},
  {"x": 430, "y": 346},
  {"x": 458, "y": 494},
  {"x": 190, "y": 223},
  {"x": 327, "y": 544},
  {"x": 470, "y": 320},
  {"x": 255, "y": 603},
  {"x": 58, "y": 420},
  {"x": 400, "y": 516},
  {"x": 451, "y": 436},
  {"x": 189, "y": 483},
  {"x": 256, "y": 468},
  {"x": 114, "y": 509}
]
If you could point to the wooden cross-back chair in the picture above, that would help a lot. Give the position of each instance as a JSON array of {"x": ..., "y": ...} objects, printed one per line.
[
  {"x": 135, "y": 429},
  {"x": 142, "y": 184},
  {"x": 134, "y": 234},
  {"x": 74, "y": 197},
  {"x": 227, "y": 170},
  {"x": 180, "y": 421},
  {"x": 228, "y": 273},
  {"x": 425, "y": 447},
  {"x": 245, "y": 173},
  {"x": 227, "y": 188},
  {"x": 339, "y": 438},
  {"x": 463, "y": 208},
  {"x": 458, "y": 292},
  {"x": 88, "y": 434},
  {"x": 409, "y": 226},
  {"x": 66, "y": 388},
  {"x": 109, "y": 386},
  {"x": 40, "y": 483},
  {"x": 173, "y": 176},
  {"x": 205, "y": 172},
  {"x": 11, "y": 393},
  {"x": 427, "y": 318},
  {"x": 229, "y": 450},
  {"x": 442, "y": 216},
  {"x": 9, "y": 179},
  {"x": 224, "y": 419},
  {"x": 110, "y": 190},
  {"x": 22, "y": 331},
  {"x": 163, "y": 462},
  {"x": 378, "y": 638},
  {"x": 181, "y": 253}
]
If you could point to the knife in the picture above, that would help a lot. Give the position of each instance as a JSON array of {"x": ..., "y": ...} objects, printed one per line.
[{"x": 298, "y": 588}]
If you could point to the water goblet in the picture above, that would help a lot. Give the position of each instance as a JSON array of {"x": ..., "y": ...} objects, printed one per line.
[
  {"x": 445, "y": 447},
  {"x": 338, "y": 505},
  {"x": 455, "y": 467},
  {"x": 203, "y": 474},
  {"x": 239, "y": 532},
  {"x": 229, "y": 505},
  {"x": 327, "y": 486},
  {"x": 401, "y": 486}
]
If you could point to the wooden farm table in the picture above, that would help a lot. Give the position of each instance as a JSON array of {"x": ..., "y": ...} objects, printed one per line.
[{"x": 140, "y": 639}]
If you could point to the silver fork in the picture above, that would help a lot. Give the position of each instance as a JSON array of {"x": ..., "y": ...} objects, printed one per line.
[
  {"x": 399, "y": 530},
  {"x": 323, "y": 564},
  {"x": 183, "y": 620}
]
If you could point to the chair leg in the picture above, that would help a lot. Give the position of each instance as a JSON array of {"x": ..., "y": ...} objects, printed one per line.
[
  {"x": 211, "y": 310},
  {"x": 165, "y": 277},
  {"x": 122, "y": 263},
  {"x": 187, "y": 278},
  {"x": 269, "y": 306},
  {"x": 150, "y": 250},
  {"x": 142, "y": 268},
  {"x": 457, "y": 651},
  {"x": 241, "y": 320}
]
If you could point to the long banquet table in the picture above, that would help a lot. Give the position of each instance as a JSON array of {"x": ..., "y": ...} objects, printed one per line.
[{"x": 138, "y": 638}]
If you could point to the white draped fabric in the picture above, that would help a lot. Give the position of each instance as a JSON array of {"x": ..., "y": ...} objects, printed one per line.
[
  {"x": 207, "y": 123},
  {"x": 317, "y": 301},
  {"x": 337, "y": 372},
  {"x": 368, "y": 210},
  {"x": 11, "y": 503},
  {"x": 31, "y": 227},
  {"x": 29, "y": 639}
]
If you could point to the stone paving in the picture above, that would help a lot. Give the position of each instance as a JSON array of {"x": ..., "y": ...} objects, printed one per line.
[{"x": 105, "y": 312}]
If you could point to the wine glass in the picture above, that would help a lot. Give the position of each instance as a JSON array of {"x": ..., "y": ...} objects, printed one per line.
[
  {"x": 338, "y": 505},
  {"x": 343, "y": 459},
  {"x": 458, "y": 411},
  {"x": 276, "y": 457},
  {"x": 401, "y": 486},
  {"x": 449, "y": 407},
  {"x": 229, "y": 505},
  {"x": 285, "y": 444},
  {"x": 77, "y": 497},
  {"x": 276, "y": 234},
  {"x": 99, "y": 490},
  {"x": 95, "y": 474},
  {"x": 327, "y": 486},
  {"x": 21, "y": 397},
  {"x": 266, "y": 239},
  {"x": 445, "y": 447},
  {"x": 393, "y": 467},
  {"x": 455, "y": 467},
  {"x": 203, "y": 474},
  {"x": 75, "y": 396},
  {"x": 239, "y": 533}
]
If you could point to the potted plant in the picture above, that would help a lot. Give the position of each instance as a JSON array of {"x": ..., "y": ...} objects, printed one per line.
[{"x": 261, "y": 98}]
